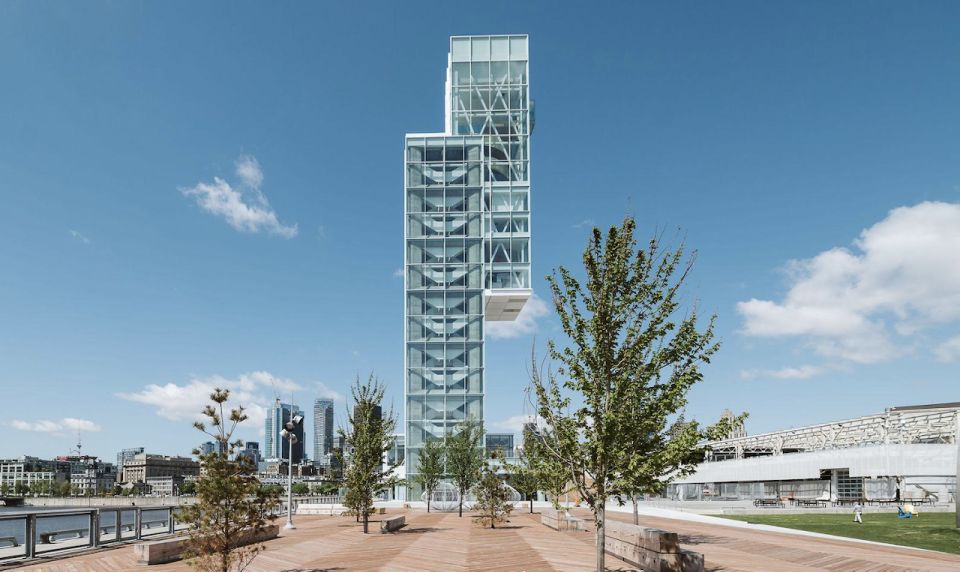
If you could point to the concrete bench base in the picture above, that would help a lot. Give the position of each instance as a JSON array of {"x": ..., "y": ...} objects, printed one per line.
[
  {"x": 171, "y": 549},
  {"x": 560, "y": 520},
  {"x": 393, "y": 523},
  {"x": 650, "y": 549}
]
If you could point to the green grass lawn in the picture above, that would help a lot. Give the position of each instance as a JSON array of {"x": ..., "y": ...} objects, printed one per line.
[{"x": 931, "y": 530}]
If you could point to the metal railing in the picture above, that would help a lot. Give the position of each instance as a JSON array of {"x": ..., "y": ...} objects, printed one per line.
[{"x": 27, "y": 534}]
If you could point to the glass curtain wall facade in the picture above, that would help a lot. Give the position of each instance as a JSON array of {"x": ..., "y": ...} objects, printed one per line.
[
  {"x": 322, "y": 431},
  {"x": 467, "y": 233}
]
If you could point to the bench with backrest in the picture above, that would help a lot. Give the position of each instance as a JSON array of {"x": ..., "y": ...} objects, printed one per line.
[
  {"x": 767, "y": 503},
  {"x": 51, "y": 537},
  {"x": 11, "y": 540},
  {"x": 393, "y": 523},
  {"x": 650, "y": 549}
]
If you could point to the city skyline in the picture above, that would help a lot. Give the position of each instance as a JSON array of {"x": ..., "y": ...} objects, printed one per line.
[{"x": 213, "y": 200}]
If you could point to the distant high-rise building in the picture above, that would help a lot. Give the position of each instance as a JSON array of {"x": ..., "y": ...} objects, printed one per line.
[
  {"x": 466, "y": 233},
  {"x": 251, "y": 449},
  {"x": 275, "y": 446},
  {"x": 499, "y": 442},
  {"x": 127, "y": 455},
  {"x": 322, "y": 430},
  {"x": 207, "y": 448}
]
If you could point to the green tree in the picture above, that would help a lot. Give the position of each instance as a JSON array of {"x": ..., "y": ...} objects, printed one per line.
[
  {"x": 663, "y": 453},
  {"x": 524, "y": 476},
  {"x": 301, "y": 489},
  {"x": 230, "y": 501},
  {"x": 493, "y": 496},
  {"x": 552, "y": 475},
  {"x": 430, "y": 467},
  {"x": 465, "y": 457},
  {"x": 629, "y": 358},
  {"x": 369, "y": 437},
  {"x": 5, "y": 489},
  {"x": 189, "y": 488},
  {"x": 21, "y": 488}
]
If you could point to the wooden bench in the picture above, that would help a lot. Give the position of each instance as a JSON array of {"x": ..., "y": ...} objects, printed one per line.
[
  {"x": 171, "y": 549},
  {"x": 561, "y": 520},
  {"x": 12, "y": 540},
  {"x": 393, "y": 523},
  {"x": 650, "y": 549},
  {"x": 51, "y": 537}
]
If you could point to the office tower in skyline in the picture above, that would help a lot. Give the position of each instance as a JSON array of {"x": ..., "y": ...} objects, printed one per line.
[
  {"x": 322, "y": 431},
  {"x": 127, "y": 455},
  {"x": 467, "y": 233},
  {"x": 275, "y": 446}
]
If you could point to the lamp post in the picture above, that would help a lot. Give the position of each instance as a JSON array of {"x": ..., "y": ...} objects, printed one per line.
[{"x": 289, "y": 433}]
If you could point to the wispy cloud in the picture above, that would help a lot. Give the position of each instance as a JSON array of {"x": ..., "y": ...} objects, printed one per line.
[
  {"x": 243, "y": 206},
  {"x": 949, "y": 351},
  {"x": 864, "y": 304},
  {"x": 585, "y": 223},
  {"x": 325, "y": 392},
  {"x": 255, "y": 391},
  {"x": 65, "y": 425},
  {"x": 76, "y": 234},
  {"x": 514, "y": 423},
  {"x": 524, "y": 325},
  {"x": 802, "y": 372},
  {"x": 398, "y": 273}
]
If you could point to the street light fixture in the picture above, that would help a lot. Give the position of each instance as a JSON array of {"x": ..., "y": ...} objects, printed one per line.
[{"x": 289, "y": 433}]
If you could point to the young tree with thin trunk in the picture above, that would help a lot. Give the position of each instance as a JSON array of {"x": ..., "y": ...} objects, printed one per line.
[
  {"x": 430, "y": 467},
  {"x": 230, "y": 501},
  {"x": 493, "y": 495},
  {"x": 629, "y": 357},
  {"x": 465, "y": 457},
  {"x": 524, "y": 478},
  {"x": 369, "y": 437}
]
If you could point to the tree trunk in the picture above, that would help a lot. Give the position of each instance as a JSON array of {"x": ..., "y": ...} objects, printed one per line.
[
  {"x": 461, "y": 504},
  {"x": 601, "y": 538},
  {"x": 531, "y": 505},
  {"x": 366, "y": 521},
  {"x": 636, "y": 512}
]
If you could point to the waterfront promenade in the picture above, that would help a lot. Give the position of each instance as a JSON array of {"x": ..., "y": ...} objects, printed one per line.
[{"x": 445, "y": 542}]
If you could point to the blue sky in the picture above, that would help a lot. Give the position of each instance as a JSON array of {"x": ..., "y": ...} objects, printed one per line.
[{"x": 810, "y": 153}]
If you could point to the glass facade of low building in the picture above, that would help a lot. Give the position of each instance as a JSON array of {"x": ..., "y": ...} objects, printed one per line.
[{"x": 467, "y": 233}]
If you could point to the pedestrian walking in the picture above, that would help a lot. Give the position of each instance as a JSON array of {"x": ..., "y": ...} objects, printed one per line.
[{"x": 858, "y": 513}]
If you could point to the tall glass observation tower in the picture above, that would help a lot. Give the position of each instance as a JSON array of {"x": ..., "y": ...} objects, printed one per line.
[{"x": 467, "y": 233}]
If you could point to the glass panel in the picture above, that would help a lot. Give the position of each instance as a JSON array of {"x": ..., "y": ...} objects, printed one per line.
[
  {"x": 518, "y": 72},
  {"x": 499, "y": 48},
  {"x": 461, "y": 74},
  {"x": 481, "y": 49},
  {"x": 518, "y": 48},
  {"x": 480, "y": 72},
  {"x": 499, "y": 72},
  {"x": 460, "y": 49}
]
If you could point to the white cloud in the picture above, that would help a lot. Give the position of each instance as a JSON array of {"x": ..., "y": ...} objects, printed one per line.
[
  {"x": 802, "y": 372},
  {"x": 325, "y": 392},
  {"x": 79, "y": 236},
  {"x": 244, "y": 206},
  {"x": 949, "y": 351},
  {"x": 67, "y": 424},
  {"x": 254, "y": 391},
  {"x": 863, "y": 304},
  {"x": 514, "y": 423},
  {"x": 525, "y": 323},
  {"x": 587, "y": 222},
  {"x": 398, "y": 273}
]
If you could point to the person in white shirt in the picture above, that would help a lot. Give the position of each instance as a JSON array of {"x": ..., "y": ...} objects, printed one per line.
[{"x": 858, "y": 512}]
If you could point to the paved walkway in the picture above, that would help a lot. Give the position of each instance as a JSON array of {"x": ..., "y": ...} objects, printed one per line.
[{"x": 444, "y": 542}]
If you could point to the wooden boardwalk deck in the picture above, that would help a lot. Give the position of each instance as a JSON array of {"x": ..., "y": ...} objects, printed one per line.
[{"x": 445, "y": 542}]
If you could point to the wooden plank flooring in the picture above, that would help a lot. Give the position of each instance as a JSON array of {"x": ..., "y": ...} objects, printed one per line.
[{"x": 443, "y": 542}]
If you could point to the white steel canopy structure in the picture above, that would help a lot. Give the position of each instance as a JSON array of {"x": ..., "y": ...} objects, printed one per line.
[
  {"x": 903, "y": 453},
  {"x": 466, "y": 233}
]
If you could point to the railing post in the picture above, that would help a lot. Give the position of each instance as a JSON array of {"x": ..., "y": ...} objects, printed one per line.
[
  {"x": 170, "y": 522},
  {"x": 94, "y": 528},
  {"x": 30, "y": 540},
  {"x": 116, "y": 532},
  {"x": 138, "y": 522}
]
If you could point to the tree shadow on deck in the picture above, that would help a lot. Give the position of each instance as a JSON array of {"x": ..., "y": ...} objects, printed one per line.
[
  {"x": 313, "y": 569},
  {"x": 419, "y": 530},
  {"x": 695, "y": 539}
]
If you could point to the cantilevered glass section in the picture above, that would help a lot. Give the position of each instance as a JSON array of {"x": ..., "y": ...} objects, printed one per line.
[{"x": 467, "y": 233}]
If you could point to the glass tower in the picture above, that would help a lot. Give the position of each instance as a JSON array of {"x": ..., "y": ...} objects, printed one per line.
[
  {"x": 467, "y": 233},
  {"x": 322, "y": 431},
  {"x": 275, "y": 446}
]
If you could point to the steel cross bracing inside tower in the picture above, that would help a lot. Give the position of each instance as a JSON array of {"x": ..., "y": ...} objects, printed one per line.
[{"x": 938, "y": 423}]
